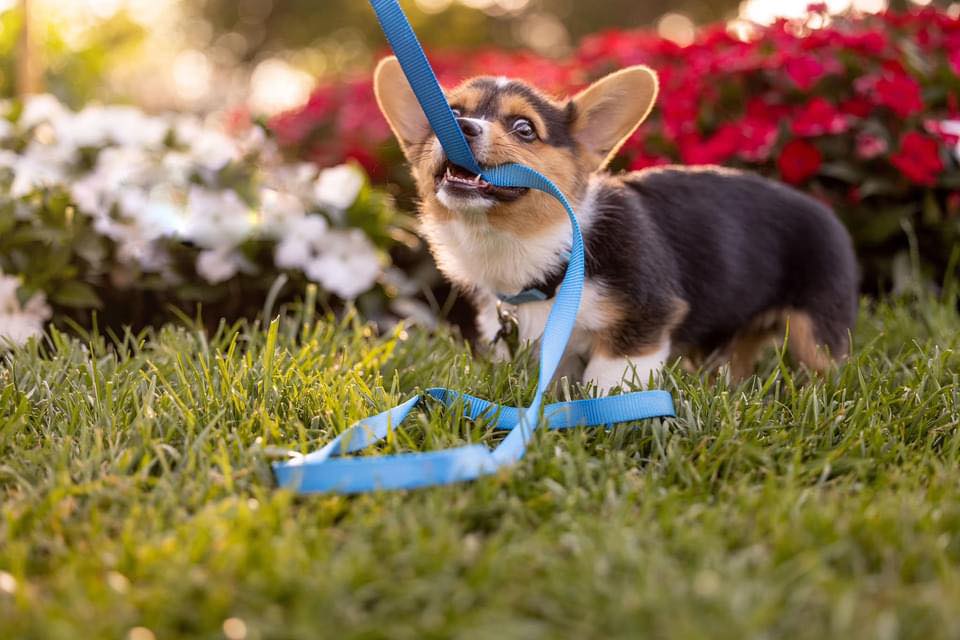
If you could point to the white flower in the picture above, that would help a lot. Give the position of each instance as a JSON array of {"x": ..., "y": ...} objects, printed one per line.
[
  {"x": 97, "y": 126},
  {"x": 140, "y": 193},
  {"x": 343, "y": 261},
  {"x": 42, "y": 108},
  {"x": 216, "y": 219},
  {"x": 348, "y": 267},
  {"x": 8, "y": 159},
  {"x": 178, "y": 167},
  {"x": 131, "y": 127},
  {"x": 88, "y": 195},
  {"x": 118, "y": 170},
  {"x": 219, "y": 265},
  {"x": 122, "y": 166},
  {"x": 41, "y": 165},
  {"x": 146, "y": 218},
  {"x": 337, "y": 188},
  {"x": 253, "y": 140},
  {"x": 296, "y": 179},
  {"x": 952, "y": 127},
  {"x": 303, "y": 240},
  {"x": 164, "y": 210},
  {"x": 136, "y": 243},
  {"x": 279, "y": 209},
  {"x": 8, "y": 293},
  {"x": 209, "y": 148},
  {"x": 20, "y": 323},
  {"x": 214, "y": 150}
]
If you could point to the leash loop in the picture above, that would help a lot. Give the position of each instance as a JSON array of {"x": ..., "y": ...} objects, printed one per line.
[{"x": 329, "y": 470}]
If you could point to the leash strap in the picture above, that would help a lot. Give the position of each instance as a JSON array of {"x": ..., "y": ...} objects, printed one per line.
[{"x": 327, "y": 470}]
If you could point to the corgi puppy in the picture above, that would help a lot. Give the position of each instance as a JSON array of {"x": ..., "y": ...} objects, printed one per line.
[{"x": 703, "y": 262}]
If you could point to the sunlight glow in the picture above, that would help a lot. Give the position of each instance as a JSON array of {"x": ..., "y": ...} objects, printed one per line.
[
  {"x": 276, "y": 86},
  {"x": 677, "y": 28},
  {"x": 89, "y": 12},
  {"x": 492, "y": 7},
  {"x": 767, "y": 11}
]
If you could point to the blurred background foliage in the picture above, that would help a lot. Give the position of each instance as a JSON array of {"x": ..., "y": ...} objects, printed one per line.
[{"x": 205, "y": 55}]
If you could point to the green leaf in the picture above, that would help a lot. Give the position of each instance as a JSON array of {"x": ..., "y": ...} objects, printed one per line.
[
  {"x": 874, "y": 227},
  {"x": 76, "y": 294},
  {"x": 842, "y": 171},
  {"x": 878, "y": 187},
  {"x": 932, "y": 215},
  {"x": 951, "y": 180}
]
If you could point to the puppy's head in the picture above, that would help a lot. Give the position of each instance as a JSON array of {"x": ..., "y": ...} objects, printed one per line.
[{"x": 508, "y": 121}]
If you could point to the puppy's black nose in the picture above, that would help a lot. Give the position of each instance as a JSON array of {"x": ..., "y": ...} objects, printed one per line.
[{"x": 470, "y": 128}]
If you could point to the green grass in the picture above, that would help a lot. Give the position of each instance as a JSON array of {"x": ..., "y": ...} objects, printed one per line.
[{"x": 134, "y": 493}]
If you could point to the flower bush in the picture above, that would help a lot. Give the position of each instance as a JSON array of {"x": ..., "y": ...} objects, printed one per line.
[
  {"x": 20, "y": 319},
  {"x": 113, "y": 209},
  {"x": 862, "y": 111}
]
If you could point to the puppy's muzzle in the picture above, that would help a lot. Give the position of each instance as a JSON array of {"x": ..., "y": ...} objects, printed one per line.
[{"x": 460, "y": 181}]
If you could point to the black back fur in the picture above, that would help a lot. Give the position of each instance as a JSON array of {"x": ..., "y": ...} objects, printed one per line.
[{"x": 730, "y": 245}]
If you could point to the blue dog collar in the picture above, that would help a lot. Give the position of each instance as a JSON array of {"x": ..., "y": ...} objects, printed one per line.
[
  {"x": 525, "y": 296},
  {"x": 531, "y": 294}
]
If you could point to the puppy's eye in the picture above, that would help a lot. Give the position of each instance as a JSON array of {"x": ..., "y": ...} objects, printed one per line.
[{"x": 524, "y": 129}]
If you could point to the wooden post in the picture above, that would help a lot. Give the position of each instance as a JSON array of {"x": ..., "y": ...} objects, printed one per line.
[{"x": 28, "y": 65}]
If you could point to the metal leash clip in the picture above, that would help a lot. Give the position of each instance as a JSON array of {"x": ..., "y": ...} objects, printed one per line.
[{"x": 509, "y": 332}]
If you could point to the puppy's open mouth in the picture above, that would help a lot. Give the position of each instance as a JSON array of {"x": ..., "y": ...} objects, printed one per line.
[{"x": 462, "y": 182}]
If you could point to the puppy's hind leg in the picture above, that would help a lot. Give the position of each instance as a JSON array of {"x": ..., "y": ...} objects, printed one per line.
[
  {"x": 816, "y": 342},
  {"x": 745, "y": 351}
]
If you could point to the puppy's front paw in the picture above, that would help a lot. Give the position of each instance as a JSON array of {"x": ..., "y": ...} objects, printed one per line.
[
  {"x": 607, "y": 372},
  {"x": 498, "y": 351}
]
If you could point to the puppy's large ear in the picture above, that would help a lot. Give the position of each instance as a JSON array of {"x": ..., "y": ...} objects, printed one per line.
[
  {"x": 399, "y": 104},
  {"x": 611, "y": 109}
]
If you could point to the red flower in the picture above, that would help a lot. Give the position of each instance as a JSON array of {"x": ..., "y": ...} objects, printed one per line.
[
  {"x": 918, "y": 159},
  {"x": 870, "y": 146},
  {"x": 799, "y": 161},
  {"x": 726, "y": 97},
  {"x": 642, "y": 161},
  {"x": 872, "y": 43},
  {"x": 900, "y": 93},
  {"x": 757, "y": 138},
  {"x": 717, "y": 148},
  {"x": 805, "y": 71},
  {"x": 948, "y": 132},
  {"x": 856, "y": 107},
  {"x": 680, "y": 106},
  {"x": 954, "y": 59},
  {"x": 818, "y": 117}
]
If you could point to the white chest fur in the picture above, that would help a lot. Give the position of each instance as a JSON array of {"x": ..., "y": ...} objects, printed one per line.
[{"x": 476, "y": 255}]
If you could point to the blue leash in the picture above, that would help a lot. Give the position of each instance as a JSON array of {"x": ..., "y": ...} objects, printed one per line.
[{"x": 326, "y": 470}]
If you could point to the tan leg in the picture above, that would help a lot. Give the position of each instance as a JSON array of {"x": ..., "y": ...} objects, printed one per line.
[
  {"x": 803, "y": 343},
  {"x": 744, "y": 352}
]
